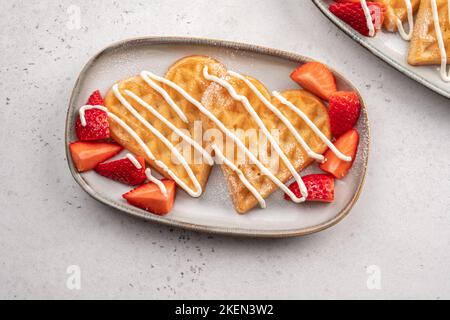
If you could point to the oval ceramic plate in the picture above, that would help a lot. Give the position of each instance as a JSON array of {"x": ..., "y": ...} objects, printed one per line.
[
  {"x": 391, "y": 48},
  {"x": 214, "y": 212}
]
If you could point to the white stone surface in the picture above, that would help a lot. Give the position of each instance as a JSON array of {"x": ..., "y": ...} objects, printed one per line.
[{"x": 47, "y": 223}]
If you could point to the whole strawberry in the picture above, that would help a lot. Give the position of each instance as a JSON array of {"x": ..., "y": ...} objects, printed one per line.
[
  {"x": 352, "y": 13},
  {"x": 97, "y": 125},
  {"x": 344, "y": 110}
]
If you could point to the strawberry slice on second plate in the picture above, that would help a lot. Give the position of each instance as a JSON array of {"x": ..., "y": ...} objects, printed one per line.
[
  {"x": 320, "y": 188},
  {"x": 344, "y": 110},
  {"x": 150, "y": 198},
  {"x": 347, "y": 144},
  {"x": 316, "y": 78},
  {"x": 97, "y": 124},
  {"x": 352, "y": 13},
  {"x": 123, "y": 171},
  {"x": 87, "y": 155}
]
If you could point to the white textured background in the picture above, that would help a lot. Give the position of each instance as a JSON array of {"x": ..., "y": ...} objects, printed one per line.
[{"x": 401, "y": 224}]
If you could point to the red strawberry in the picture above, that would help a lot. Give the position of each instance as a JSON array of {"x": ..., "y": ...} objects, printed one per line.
[
  {"x": 87, "y": 155},
  {"x": 344, "y": 110},
  {"x": 348, "y": 145},
  {"x": 97, "y": 125},
  {"x": 353, "y": 14},
  {"x": 150, "y": 198},
  {"x": 320, "y": 188},
  {"x": 123, "y": 171},
  {"x": 96, "y": 99},
  {"x": 316, "y": 78}
]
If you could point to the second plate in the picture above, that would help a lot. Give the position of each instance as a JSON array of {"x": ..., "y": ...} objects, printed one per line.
[{"x": 391, "y": 48}]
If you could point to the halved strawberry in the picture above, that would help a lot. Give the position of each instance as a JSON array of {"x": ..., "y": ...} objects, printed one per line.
[
  {"x": 97, "y": 125},
  {"x": 316, "y": 78},
  {"x": 352, "y": 13},
  {"x": 347, "y": 144},
  {"x": 320, "y": 188},
  {"x": 344, "y": 110},
  {"x": 150, "y": 198},
  {"x": 87, "y": 155},
  {"x": 123, "y": 171}
]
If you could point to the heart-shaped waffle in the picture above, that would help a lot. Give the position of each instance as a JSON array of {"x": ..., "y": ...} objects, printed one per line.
[
  {"x": 424, "y": 49},
  {"x": 234, "y": 115},
  {"x": 160, "y": 148}
]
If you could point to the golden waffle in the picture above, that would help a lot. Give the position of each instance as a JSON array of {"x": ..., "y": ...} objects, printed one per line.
[
  {"x": 396, "y": 9},
  {"x": 234, "y": 115},
  {"x": 188, "y": 74},
  {"x": 184, "y": 73},
  {"x": 424, "y": 48}
]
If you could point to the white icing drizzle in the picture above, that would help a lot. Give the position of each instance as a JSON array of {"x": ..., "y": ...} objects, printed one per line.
[
  {"x": 134, "y": 161},
  {"x": 241, "y": 176},
  {"x": 228, "y": 133},
  {"x": 244, "y": 100},
  {"x": 311, "y": 124},
  {"x": 165, "y": 95},
  {"x": 158, "y": 182},
  {"x": 401, "y": 30},
  {"x": 437, "y": 26},
  {"x": 179, "y": 132},
  {"x": 166, "y": 142},
  {"x": 370, "y": 25},
  {"x": 281, "y": 116}
]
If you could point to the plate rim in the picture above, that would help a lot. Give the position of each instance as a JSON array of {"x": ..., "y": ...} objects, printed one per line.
[
  {"x": 138, "y": 213},
  {"x": 378, "y": 53}
]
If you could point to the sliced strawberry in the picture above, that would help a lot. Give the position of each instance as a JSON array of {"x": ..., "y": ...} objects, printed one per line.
[
  {"x": 96, "y": 99},
  {"x": 123, "y": 171},
  {"x": 97, "y": 125},
  {"x": 316, "y": 78},
  {"x": 344, "y": 110},
  {"x": 347, "y": 144},
  {"x": 320, "y": 188},
  {"x": 150, "y": 198},
  {"x": 352, "y": 13},
  {"x": 87, "y": 155}
]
